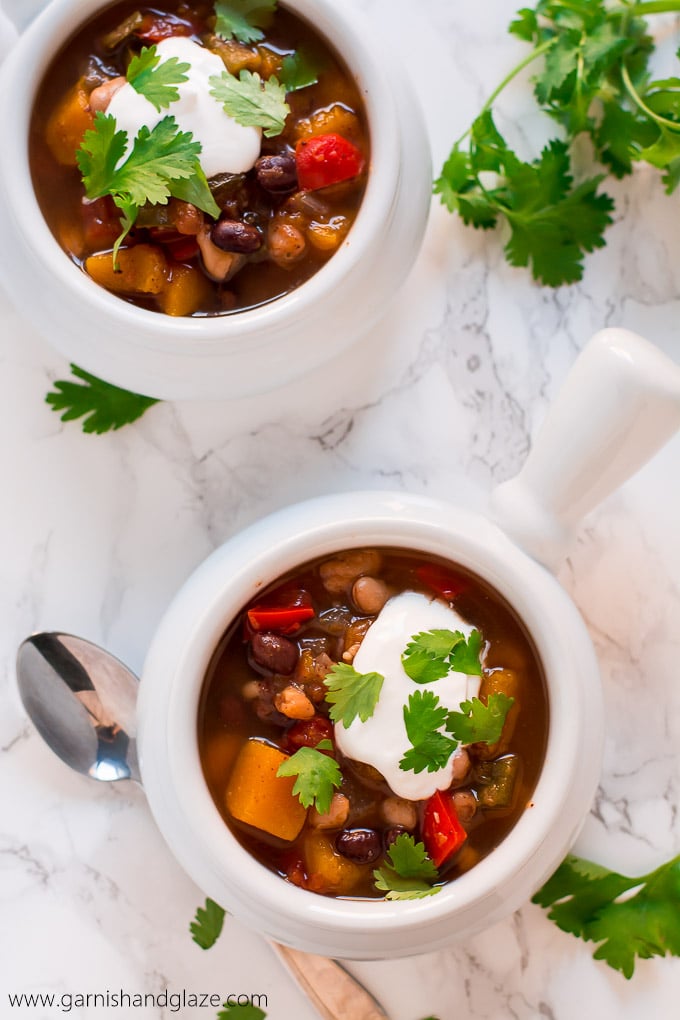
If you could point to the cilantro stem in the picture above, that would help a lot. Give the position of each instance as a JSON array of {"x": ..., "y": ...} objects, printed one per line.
[
  {"x": 654, "y": 7},
  {"x": 538, "y": 51},
  {"x": 663, "y": 122}
]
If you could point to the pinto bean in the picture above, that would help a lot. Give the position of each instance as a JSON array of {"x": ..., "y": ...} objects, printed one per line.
[
  {"x": 461, "y": 767},
  {"x": 292, "y": 703},
  {"x": 339, "y": 573},
  {"x": 465, "y": 805},
  {"x": 335, "y": 817},
  {"x": 399, "y": 812},
  {"x": 286, "y": 244},
  {"x": 274, "y": 652},
  {"x": 103, "y": 94},
  {"x": 369, "y": 594},
  {"x": 363, "y": 846}
]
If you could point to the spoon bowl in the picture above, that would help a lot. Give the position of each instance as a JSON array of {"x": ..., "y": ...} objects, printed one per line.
[{"x": 82, "y": 702}]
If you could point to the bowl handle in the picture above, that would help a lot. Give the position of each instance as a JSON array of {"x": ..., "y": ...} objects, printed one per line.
[{"x": 619, "y": 405}]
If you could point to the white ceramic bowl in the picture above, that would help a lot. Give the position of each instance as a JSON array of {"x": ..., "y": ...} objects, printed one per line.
[
  {"x": 186, "y": 813},
  {"x": 246, "y": 352},
  {"x": 621, "y": 402}
]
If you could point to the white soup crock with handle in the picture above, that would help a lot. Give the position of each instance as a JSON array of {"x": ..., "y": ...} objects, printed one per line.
[
  {"x": 246, "y": 352},
  {"x": 620, "y": 403}
]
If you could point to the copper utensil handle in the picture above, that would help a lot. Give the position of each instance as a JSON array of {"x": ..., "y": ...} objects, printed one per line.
[{"x": 334, "y": 993}]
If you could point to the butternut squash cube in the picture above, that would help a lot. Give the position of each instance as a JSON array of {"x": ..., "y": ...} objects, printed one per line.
[
  {"x": 258, "y": 797},
  {"x": 185, "y": 292},
  {"x": 142, "y": 269},
  {"x": 329, "y": 871},
  {"x": 68, "y": 123}
]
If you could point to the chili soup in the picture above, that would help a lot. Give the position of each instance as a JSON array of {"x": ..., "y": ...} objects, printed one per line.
[
  {"x": 373, "y": 724},
  {"x": 244, "y": 207}
]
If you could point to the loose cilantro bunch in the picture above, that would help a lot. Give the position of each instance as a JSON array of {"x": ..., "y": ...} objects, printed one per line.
[
  {"x": 588, "y": 900},
  {"x": 593, "y": 81}
]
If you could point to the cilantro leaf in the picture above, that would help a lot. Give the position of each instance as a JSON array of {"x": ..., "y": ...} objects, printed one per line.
[
  {"x": 103, "y": 405},
  {"x": 587, "y": 900},
  {"x": 251, "y": 101},
  {"x": 425, "y": 656},
  {"x": 157, "y": 83},
  {"x": 423, "y": 717},
  {"x": 352, "y": 694},
  {"x": 299, "y": 71},
  {"x": 206, "y": 927},
  {"x": 317, "y": 775},
  {"x": 101, "y": 150},
  {"x": 243, "y": 19},
  {"x": 407, "y": 873},
  {"x": 241, "y": 1011},
  {"x": 480, "y": 723},
  {"x": 465, "y": 655}
]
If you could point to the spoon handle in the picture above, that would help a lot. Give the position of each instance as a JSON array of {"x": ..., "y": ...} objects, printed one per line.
[{"x": 334, "y": 993}]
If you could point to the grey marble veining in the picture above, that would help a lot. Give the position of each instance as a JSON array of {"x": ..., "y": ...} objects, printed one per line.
[{"x": 98, "y": 532}]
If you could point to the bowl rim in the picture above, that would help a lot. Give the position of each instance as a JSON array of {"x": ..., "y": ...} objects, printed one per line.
[
  {"x": 350, "y": 37},
  {"x": 243, "y": 573}
]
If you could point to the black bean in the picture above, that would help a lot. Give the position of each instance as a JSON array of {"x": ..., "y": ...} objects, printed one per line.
[
  {"x": 232, "y": 235},
  {"x": 276, "y": 173},
  {"x": 390, "y": 835},
  {"x": 273, "y": 652},
  {"x": 363, "y": 846}
]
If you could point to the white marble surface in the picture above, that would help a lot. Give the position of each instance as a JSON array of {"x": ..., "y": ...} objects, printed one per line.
[{"x": 97, "y": 532}]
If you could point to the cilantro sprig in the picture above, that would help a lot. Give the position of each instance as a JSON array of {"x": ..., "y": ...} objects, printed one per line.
[
  {"x": 407, "y": 873},
  {"x": 318, "y": 775},
  {"x": 351, "y": 694},
  {"x": 163, "y": 163},
  {"x": 425, "y": 718},
  {"x": 207, "y": 926},
  {"x": 593, "y": 80},
  {"x": 103, "y": 407},
  {"x": 155, "y": 80},
  {"x": 251, "y": 101},
  {"x": 433, "y": 654},
  {"x": 588, "y": 901},
  {"x": 243, "y": 20}
]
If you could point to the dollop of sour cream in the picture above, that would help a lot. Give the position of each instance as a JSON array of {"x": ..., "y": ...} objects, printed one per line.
[
  {"x": 382, "y": 741},
  {"x": 227, "y": 146}
]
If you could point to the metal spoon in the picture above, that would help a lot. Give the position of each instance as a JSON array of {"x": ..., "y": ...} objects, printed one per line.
[{"x": 82, "y": 700}]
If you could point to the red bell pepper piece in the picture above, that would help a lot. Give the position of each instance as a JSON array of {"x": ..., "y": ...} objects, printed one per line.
[
  {"x": 443, "y": 834},
  {"x": 326, "y": 159},
  {"x": 441, "y": 580},
  {"x": 283, "y": 612}
]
